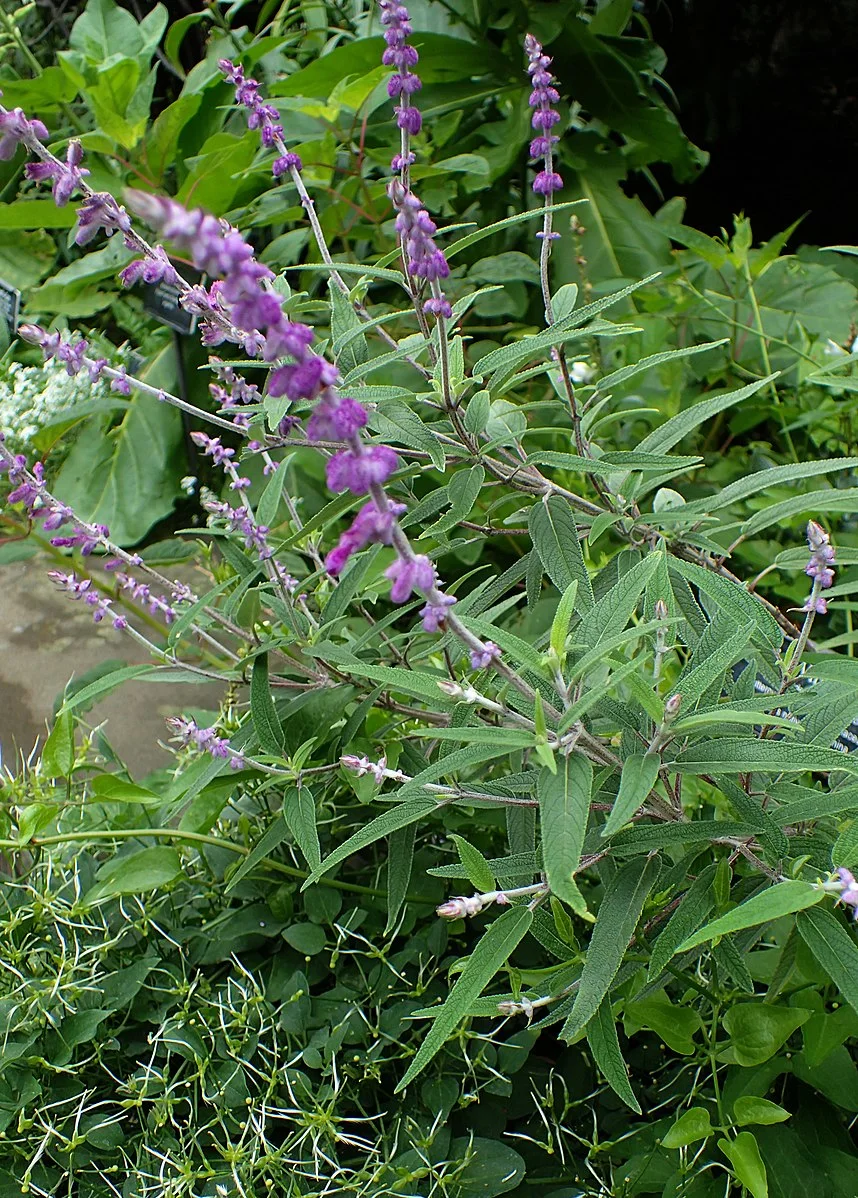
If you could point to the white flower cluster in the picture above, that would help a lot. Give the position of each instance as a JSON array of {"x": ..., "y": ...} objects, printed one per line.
[{"x": 34, "y": 397}]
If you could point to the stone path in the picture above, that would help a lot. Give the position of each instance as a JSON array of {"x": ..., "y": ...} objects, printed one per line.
[{"x": 46, "y": 639}]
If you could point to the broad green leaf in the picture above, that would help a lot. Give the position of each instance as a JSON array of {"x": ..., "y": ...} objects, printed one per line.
[
  {"x": 834, "y": 949},
  {"x": 615, "y": 925},
  {"x": 693, "y": 908},
  {"x": 605, "y": 1047},
  {"x": 299, "y": 812},
  {"x": 475, "y": 865},
  {"x": 87, "y": 695},
  {"x": 562, "y": 619},
  {"x": 462, "y": 491},
  {"x": 265, "y": 722},
  {"x": 128, "y": 477},
  {"x": 107, "y": 788},
  {"x": 741, "y": 755},
  {"x": 757, "y": 1030},
  {"x": 693, "y": 1125},
  {"x": 750, "y": 1109},
  {"x": 564, "y": 808},
  {"x": 396, "y": 817},
  {"x": 137, "y": 873},
  {"x": 271, "y": 838},
  {"x": 555, "y": 538},
  {"x": 400, "y": 861},
  {"x": 675, "y": 1024},
  {"x": 743, "y": 1154},
  {"x": 498, "y": 942},
  {"x": 640, "y": 772},
  {"x": 672, "y": 431},
  {"x": 58, "y": 753},
  {"x": 784, "y": 898}
]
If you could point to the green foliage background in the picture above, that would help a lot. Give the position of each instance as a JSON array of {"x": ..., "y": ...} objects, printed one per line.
[{"x": 182, "y": 1015}]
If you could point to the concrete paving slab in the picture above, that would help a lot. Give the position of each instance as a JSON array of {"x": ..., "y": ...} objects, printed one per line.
[{"x": 46, "y": 638}]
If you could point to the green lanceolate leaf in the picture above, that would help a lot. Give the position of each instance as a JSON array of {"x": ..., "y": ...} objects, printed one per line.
[
  {"x": 400, "y": 861},
  {"x": 265, "y": 722},
  {"x": 672, "y": 431},
  {"x": 615, "y": 925},
  {"x": 562, "y": 619},
  {"x": 605, "y": 1047},
  {"x": 693, "y": 908},
  {"x": 639, "y": 775},
  {"x": 703, "y": 674},
  {"x": 492, "y": 952},
  {"x": 784, "y": 898},
  {"x": 612, "y": 612},
  {"x": 564, "y": 807},
  {"x": 271, "y": 838},
  {"x": 58, "y": 753},
  {"x": 743, "y": 755},
  {"x": 389, "y": 821},
  {"x": 299, "y": 811},
  {"x": 764, "y": 480},
  {"x": 555, "y": 538},
  {"x": 475, "y": 865},
  {"x": 834, "y": 949}
]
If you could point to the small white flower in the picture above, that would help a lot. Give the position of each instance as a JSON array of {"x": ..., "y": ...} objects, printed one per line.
[{"x": 581, "y": 372}]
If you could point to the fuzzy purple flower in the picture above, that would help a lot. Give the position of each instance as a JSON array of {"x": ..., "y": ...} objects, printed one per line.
[
  {"x": 370, "y": 526},
  {"x": 66, "y": 176},
  {"x": 81, "y": 588},
  {"x": 261, "y": 116},
  {"x": 416, "y": 230},
  {"x": 819, "y": 567},
  {"x": 544, "y": 117},
  {"x": 16, "y": 130},
  {"x": 434, "y": 615},
  {"x": 303, "y": 380},
  {"x": 187, "y": 732},
  {"x": 349, "y": 470},
  {"x": 404, "y": 83},
  {"x": 481, "y": 658},
  {"x": 100, "y": 211},
  {"x": 336, "y": 419},
  {"x": 155, "y": 269},
  {"x": 410, "y": 574}
]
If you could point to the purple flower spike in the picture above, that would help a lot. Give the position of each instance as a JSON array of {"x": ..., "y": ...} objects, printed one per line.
[
  {"x": 100, "y": 211},
  {"x": 66, "y": 177},
  {"x": 480, "y": 658},
  {"x": 819, "y": 567},
  {"x": 544, "y": 118},
  {"x": 336, "y": 420},
  {"x": 261, "y": 116},
  {"x": 369, "y": 526},
  {"x": 404, "y": 83},
  {"x": 434, "y": 615},
  {"x": 410, "y": 574},
  {"x": 357, "y": 472},
  {"x": 16, "y": 130}
]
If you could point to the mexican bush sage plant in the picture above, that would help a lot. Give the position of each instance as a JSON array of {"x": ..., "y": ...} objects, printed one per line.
[{"x": 648, "y": 741}]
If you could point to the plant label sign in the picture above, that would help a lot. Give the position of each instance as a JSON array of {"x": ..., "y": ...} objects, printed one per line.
[
  {"x": 161, "y": 300},
  {"x": 10, "y": 302}
]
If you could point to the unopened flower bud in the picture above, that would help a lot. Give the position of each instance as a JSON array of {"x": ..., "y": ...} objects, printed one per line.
[
  {"x": 660, "y": 610},
  {"x": 671, "y": 708},
  {"x": 460, "y": 907}
]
